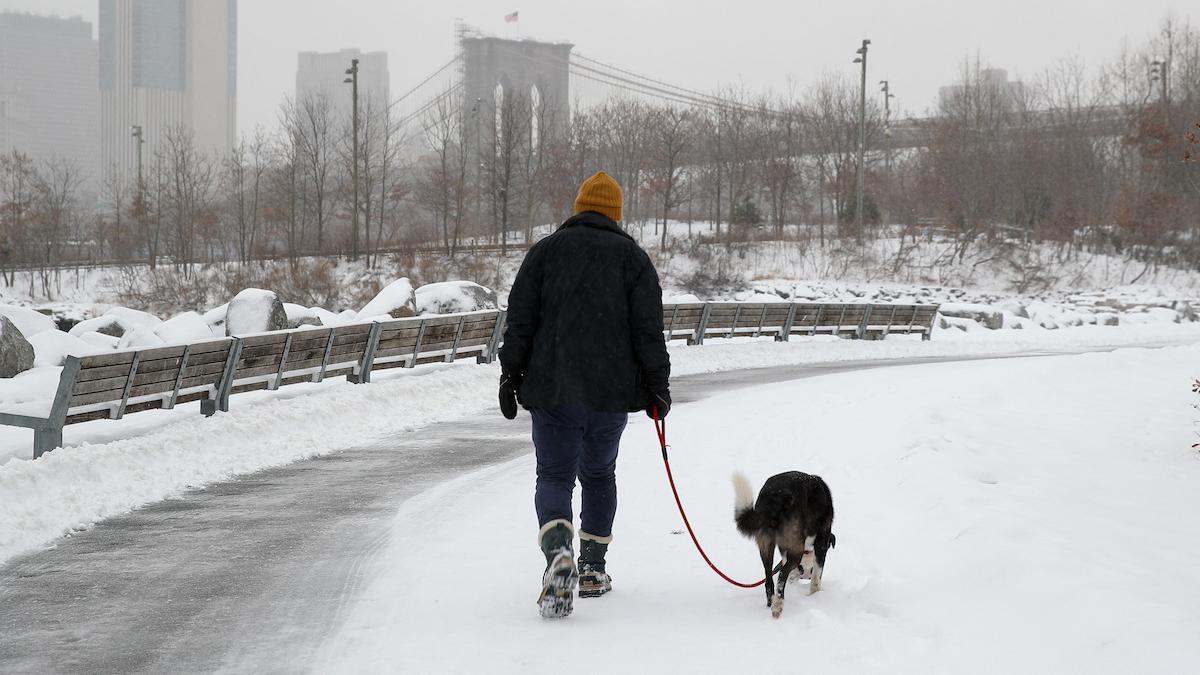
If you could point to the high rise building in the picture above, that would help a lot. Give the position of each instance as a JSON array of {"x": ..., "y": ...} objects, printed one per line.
[
  {"x": 166, "y": 64},
  {"x": 48, "y": 96},
  {"x": 993, "y": 81},
  {"x": 324, "y": 74}
]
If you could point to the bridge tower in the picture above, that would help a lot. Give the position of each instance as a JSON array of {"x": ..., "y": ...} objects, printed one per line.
[{"x": 530, "y": 75}]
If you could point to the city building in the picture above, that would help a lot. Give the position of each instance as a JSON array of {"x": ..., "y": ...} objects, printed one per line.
[
  {"x": 166, "y": 64},
  {"x": 324, "y": 74},
  {"x": 48, "y": 96},
  {"x": 993, "y": 80}
]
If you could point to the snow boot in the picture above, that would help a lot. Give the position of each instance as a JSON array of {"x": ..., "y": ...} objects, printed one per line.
[
  {"x": 593, "y": 580},
  {"x": 560, "y": 578}
]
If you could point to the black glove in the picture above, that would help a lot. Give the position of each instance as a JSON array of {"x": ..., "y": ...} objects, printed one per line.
[
  {"x": 509, "y": 384},
  {"x": 660, "y": 400}
]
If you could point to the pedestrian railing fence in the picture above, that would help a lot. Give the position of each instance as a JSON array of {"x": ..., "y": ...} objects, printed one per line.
[{"x": 112, "y": 385}]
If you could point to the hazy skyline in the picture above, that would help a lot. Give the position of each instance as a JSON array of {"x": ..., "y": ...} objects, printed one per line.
[{"x": 917, "y": 46}]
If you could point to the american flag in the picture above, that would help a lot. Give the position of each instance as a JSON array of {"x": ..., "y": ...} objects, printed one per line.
[{"x": 510, "y": 18}]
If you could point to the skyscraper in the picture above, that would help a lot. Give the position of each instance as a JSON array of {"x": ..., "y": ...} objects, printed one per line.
[
  {"x": 166, "y": 64},
  {"x": 48, "y": 96},
  {"x": 324, "y": 74}
]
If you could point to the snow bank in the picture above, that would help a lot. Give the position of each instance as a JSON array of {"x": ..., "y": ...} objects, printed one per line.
[
  {"x": 73, "y": 487},
  {"x": 1006, "y": 491},
  {"x": 28, "y": 321}
]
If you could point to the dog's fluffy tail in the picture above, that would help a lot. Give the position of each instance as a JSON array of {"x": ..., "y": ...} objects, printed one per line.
[{"x": 749, "y": 522}]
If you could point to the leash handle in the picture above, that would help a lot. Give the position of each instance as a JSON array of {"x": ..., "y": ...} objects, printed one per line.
[{"x": 660, "y": 428}]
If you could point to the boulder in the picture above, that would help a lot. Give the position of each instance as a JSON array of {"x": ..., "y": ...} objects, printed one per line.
[
  {"x": 450, "y": 297},
  {"x": 397, "y": 300},
  {"x": 1185, "y": 309},
  {"x": 16, "y": 353},
  {"x": 255, "y": 310},
  {"x": 52, "y": 347},
  {"x": 984, "y": 315},
  {"x": 100, "y": 340},
  {"x": 108, "y": 325},
  {"x": 965, "y": 325},
  {"x": 1016, "y": 307},
  {"x": 30, "y": 322},
  {"x": 141, "y": 336},
  {"x": 116, "y": 322},
  {"x": 299, "y": 315},
  {"x": 184, "y": 329},
  {"x": 1107, "y": 319},
  {"x": 215, "y": 318}
]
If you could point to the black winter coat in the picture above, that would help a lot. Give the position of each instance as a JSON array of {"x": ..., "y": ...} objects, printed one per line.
[{"x": 585, "y": 321}]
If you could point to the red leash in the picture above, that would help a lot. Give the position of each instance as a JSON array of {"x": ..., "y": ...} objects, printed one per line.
[{"x": 660, "y": 427}]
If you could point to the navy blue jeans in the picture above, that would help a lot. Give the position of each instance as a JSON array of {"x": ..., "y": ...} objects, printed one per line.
[{"x": 570, "y": 442}]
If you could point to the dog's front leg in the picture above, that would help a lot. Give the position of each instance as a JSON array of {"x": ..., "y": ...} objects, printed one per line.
[
  {"x": 766, "y": 548},
  {"x": 790, "y": 562}
]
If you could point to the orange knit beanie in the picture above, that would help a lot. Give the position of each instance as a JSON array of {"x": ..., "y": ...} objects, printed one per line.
[{"x": 601, "y": 194}]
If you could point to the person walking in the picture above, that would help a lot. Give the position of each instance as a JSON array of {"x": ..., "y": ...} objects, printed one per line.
[{"x": 583, "y": 348}]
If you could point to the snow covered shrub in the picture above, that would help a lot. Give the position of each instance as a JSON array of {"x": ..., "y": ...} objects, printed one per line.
[{"x": 163, "y": 291}]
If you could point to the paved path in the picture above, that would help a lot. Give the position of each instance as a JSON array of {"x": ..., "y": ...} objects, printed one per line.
[{"x": 249, "y": 576}]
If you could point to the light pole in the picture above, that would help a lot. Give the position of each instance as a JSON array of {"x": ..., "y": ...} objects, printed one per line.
[
  {"x": 862, "y": 137},
  {"x": 478, "y": 170},
  {"x": 136, "y": 131},
  {"x": 352, "y": 71},
  {"x": 887, "y": 122}
]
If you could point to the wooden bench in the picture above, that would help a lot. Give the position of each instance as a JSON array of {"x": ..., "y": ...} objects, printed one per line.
[
  {"x": 697, "y": 321},
  {"x": 109, "y": 386}
]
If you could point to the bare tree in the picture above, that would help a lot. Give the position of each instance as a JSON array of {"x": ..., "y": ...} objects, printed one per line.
[
  {"x": 17, "y": 180},
  {"x": 671, "y": 134}
]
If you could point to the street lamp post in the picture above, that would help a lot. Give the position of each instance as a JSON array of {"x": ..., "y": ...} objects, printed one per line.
[
  {"x": 352, "y": 71},
  {"x": 136, "y": 131},
  {"x": 887, "y": 122},
  {"x": 862, "y": 137}
]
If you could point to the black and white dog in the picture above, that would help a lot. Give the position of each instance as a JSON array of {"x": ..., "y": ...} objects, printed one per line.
[{"x": 794, "y": 513}]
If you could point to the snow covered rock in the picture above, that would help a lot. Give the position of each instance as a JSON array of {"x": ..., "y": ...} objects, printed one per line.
[
  {"x": 99, "y": 340},
  {"x": 1186, "y": 311},
  {"x": 984, "y": 315},
  {"x": 133, "y": 317},
  {"x": 30, "y": 322},
  {"x": 16, "y": 352},
  {"x": 397, "y": 300},
  {"x": 108, "y": 325},
  {"x": 116, "y": 322},
  {"x": 449, "y": 297},
  {"x": 52, "y": 347},
  {"x": 1016, "y": 307},
  {"x": 255, "y": 310},
  {"x": 215, "y": 318},
  {"x": 965, "y": 325},
  {"x": 1107, "y": 319},
  {"x": 141, "y": 336},
  {"x": 299, "y": 315},
  {"x": 183, "y": 329}
]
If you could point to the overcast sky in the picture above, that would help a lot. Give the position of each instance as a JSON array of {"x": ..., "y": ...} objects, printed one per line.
[{"x": 916, "y": 44}]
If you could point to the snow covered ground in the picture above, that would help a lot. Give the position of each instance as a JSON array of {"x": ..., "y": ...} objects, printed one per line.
[
  {"x": 1017, "y": 515},
  {"x": 110, "y": 467}
]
